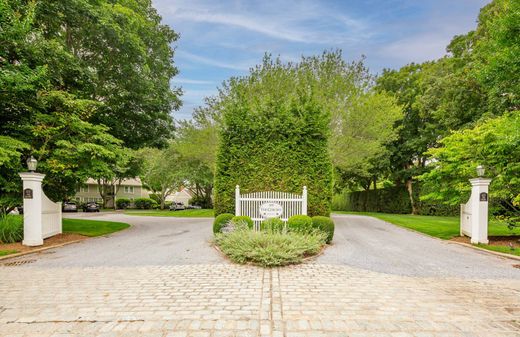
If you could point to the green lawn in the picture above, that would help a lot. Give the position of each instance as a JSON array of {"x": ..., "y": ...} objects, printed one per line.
[
  {"x": 188, "y": 213},
  {"x": 92, "y": 227},
  {"x": 443, "y": 227},
  {"x": 7, "y": 252}
]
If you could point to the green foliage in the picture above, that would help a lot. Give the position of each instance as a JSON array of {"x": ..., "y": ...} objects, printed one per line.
[
  {"x": 324, "y": 224},
  {"x": 163, "y": 171},
  {"x": 145, "y": 203},
  {"x": 123, "y": 203},
  {"x": 274, "y": 136},
  {"x": 11, "y": 228},
  {"x": 221, "y": 220},
  {"x": 269, "y": 248},
  {"x": 494, "y": 143},
  {"x": 300, "y": 223},
  {"x": 187, "y": 213},
  {"x": 389, "y": 200},
  {"x": 273, "y": 225},
  {"x": 76, "y": 76},
  {"x": 243, "y": 218}
]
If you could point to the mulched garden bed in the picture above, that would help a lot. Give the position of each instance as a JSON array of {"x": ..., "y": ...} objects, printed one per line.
[
  {"x": 54, "y": 240},
  {"x": 505, "y": 241}
]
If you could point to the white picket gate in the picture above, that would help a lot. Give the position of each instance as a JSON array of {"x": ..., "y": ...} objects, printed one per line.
[
  {"x": 51, "y": 217},
  {"x": 280, "y": 204}
]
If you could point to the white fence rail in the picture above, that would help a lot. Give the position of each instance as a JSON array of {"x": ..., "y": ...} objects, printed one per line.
[
  {"x": 51, "y": 217},
  {"x": 262, "y": 205},
  {"x": 465, "y": 219}
]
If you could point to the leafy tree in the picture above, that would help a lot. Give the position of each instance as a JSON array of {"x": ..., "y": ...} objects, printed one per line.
[
  {"x": 119, "y": 54},
  {"x": 163, "y": 172},
  {"x": 494, "y": 143}
]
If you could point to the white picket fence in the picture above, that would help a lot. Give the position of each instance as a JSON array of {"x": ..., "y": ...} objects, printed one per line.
[
  {"x": 289, "y": 204},
  {"x": 51, "y": 217}
]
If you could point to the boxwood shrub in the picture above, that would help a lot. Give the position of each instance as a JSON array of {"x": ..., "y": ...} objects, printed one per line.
[
  {"x": 245, "y": 219},
  {"x": 273, "y": 137},
  {"x": 300, "y": 223},
  {"x": 325, "y": 224},
  {"x": 273, "y": 225},
  {"x": 221, "y": 220},
  {"x": 145, "y": 203},
  {"x": 123, "y": 203}
]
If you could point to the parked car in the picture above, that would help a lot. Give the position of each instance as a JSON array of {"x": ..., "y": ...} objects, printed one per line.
[
  {"x": 193, "y": 207},
  {"x": 91, "y": 206},
  {"x": 177, "y": 206},
  {"x": 69, "y": 206}
]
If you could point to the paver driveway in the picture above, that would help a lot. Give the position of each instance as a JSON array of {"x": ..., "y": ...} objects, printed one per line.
[{"x": 339, "y": 294}]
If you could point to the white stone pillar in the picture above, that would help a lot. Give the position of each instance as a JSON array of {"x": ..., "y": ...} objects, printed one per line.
[
  {"x": 32, "y": 208},
  {"x": 479, "y": 210}
]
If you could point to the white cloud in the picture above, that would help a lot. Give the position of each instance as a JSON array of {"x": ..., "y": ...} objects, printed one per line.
[
  {"x": 182, "y": 80},
  {"x": 212, "y": 62}
]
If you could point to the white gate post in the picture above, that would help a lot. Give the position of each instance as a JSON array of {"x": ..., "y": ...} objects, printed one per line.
[
  {"x": 32, "y": 208},
  {"x": 237, "y": 200},
  {"x": 479, "y": 210},
  {"x": 304, "y": 200}
]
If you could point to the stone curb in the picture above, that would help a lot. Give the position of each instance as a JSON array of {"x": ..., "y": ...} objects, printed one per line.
[
  {"x": 10, "y": 256},
  {"x": 504, "y": 255}
]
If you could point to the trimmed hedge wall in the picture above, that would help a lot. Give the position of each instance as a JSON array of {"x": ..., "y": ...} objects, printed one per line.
[
  {"x": 274, "y": 137},
  {"x": 388, "y": 200}
]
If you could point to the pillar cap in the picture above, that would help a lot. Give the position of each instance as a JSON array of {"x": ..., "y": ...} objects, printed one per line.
[
  {"x": 31, "y": 176},
  {"x": 480, "y": 181}
]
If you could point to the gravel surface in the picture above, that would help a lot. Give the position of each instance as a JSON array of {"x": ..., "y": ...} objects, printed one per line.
[
  {"x": 149, "y": 241},
  {"x": 372, "y": 244},
  {"x": 360, "y": 242}
]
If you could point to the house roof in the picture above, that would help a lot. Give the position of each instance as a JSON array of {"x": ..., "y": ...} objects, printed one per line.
[{"x": 126, "y": 182}]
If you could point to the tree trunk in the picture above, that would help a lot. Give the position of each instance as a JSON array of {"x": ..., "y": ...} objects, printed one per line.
[
  {"x": 409, "y": 188},
  {"x": 376, "y": 194}
]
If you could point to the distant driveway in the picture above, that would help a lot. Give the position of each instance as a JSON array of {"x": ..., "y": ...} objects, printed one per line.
[
  {"x": 372, "y": 244},
  {"x": 149, "y": 241}
]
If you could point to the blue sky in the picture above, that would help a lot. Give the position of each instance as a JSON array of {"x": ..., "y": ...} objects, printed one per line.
[{"x": 220, "y": 39}]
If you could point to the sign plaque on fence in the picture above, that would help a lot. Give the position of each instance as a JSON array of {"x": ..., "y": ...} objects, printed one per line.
[
  {"x": 271, "y": 210},
  {"x": 483, "y": 196}
]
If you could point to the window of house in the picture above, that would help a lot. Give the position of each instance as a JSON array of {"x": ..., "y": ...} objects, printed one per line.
[
  {"x": 83, "y": 188},
  {"x": 129, "y": 189}
]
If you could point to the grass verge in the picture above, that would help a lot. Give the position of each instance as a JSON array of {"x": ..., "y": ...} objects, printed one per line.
[
  {"x": 187, "y": 213},
  {"x": 7, "y": 252},
  {"x": 443, "y": 227},
  {"x": 92, "y": 227}
]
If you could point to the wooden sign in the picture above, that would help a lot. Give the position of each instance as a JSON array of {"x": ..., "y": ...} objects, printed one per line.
[
  {"x": 28, "y": 193},
  {"x": 271, "y": 210}
]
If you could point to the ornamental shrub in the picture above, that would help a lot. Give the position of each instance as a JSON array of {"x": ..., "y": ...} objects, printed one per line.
[
  {"x": 274, "y": 136},
  {"x": 243, "y": 218},
  {"x": 300, "y": 223},
  {"x": 272, "y": 225},
  {"x": 123, "y": 203},
  {"x": 324, "y": 224},
  {"x": 145, "y": 203},
  {"x": 221, "y": 220},
  {"x": 11, "y": 228},
  {"x": 269, "y": 249}
]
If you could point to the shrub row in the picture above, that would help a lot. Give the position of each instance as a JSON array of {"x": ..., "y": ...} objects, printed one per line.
[
  {"x": 296, "y": 223},
  {"x": 388, "y": 200}
]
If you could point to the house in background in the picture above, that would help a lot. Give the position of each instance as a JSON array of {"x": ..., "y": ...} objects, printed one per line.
[
  {"x": 183, "y": 196},
  {"x": 129, "y": 189}
]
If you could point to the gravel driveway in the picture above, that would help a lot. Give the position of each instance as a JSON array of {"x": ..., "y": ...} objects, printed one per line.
[
  {"x": 149, "y": 241},
  {"x": 372, "y": 244}
]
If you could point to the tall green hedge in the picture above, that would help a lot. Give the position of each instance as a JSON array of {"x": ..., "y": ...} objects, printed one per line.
[
  {"x": 274, "y": 137},
  {"x": 388, "y": 200}
]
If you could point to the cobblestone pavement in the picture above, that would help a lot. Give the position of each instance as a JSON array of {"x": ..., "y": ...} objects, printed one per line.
[{"x": 229, "y": 300}]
